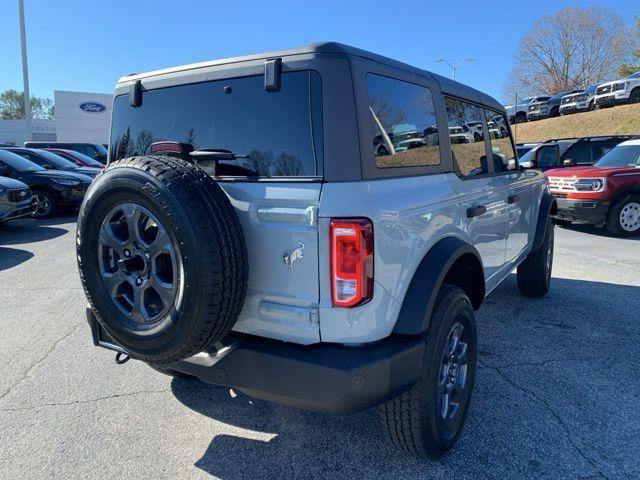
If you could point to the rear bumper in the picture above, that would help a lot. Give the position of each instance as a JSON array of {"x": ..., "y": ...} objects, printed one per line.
[
  {"x": 593, "y": 212},
  {"x": 326, "y": 378}
]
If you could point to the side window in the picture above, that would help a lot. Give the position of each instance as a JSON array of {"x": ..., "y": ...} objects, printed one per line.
[
  {"x": 467, "y": 148},
  {"x": 504, "y": 158},
  {"x": 547, "y": 157},
  {"x": 403, "y": 120},
  {"x": 580, "y": 154}
]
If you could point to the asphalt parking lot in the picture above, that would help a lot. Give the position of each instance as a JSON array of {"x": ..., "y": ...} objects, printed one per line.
[{"x": 557, "y": 393}]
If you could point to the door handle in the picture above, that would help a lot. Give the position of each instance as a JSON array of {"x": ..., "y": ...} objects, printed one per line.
[
  {"x": 513, "y": 199},
  {"x": 476, "y": 211}
]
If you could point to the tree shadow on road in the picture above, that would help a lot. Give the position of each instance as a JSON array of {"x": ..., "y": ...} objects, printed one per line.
[
  {"x": 530, "y": 350},
  {"x": 11, "y": 257}
]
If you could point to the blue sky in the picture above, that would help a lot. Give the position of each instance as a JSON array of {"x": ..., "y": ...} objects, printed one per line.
[{"x": 86, "y": 45}]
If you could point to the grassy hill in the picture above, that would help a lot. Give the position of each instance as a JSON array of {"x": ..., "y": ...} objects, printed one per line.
[{"x": 622, "y": 120}]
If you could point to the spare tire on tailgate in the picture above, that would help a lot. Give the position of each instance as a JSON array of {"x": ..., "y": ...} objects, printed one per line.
[{"x": 162, "y": 257}]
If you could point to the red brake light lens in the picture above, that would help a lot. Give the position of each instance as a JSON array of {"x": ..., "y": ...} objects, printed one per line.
[{"x": 351, "y": 262}]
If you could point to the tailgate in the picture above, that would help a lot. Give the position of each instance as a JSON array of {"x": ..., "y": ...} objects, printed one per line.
[{"x": 279, "y": 220}]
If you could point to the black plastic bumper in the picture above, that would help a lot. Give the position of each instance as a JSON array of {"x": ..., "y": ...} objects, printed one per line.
[
  {"x": 323, "y": 378},
  {"x": 610, "y": 101},
  {"x": 593, "y": 212}
]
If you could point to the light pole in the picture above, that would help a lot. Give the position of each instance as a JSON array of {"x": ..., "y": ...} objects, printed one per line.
[
  {"x": 455, "y": 66},
  {"x": 25, "y": 70}
]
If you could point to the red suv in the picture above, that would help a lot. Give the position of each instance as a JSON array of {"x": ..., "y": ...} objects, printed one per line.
[{"x": 604, "y": 194}]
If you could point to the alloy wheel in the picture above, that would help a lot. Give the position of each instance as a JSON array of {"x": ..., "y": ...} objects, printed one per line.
[
  {"x": 42, "y": 204},
  {"x": 452, "y": 379},
  {"x": 139, "y": 263}
]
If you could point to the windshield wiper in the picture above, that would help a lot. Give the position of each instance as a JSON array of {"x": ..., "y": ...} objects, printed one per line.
[{"x": 215, "y": 154}]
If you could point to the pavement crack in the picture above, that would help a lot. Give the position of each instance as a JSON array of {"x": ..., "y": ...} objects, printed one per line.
[
  {"x": 81, "y": 402},
  {"x": 557, "y": 417},
  {"x": 48, "y": 352}
]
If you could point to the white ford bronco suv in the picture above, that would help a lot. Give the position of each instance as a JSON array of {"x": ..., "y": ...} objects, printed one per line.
[{"x": 245, "y": 233}]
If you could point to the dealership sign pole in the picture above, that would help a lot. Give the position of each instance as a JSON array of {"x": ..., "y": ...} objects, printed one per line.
[{"x": 25, "y": 70}]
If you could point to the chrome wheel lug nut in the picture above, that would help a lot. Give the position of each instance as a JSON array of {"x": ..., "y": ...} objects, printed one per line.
[
  {"x": 126, "y": 253},
  {"x": 139, "y": 281}
]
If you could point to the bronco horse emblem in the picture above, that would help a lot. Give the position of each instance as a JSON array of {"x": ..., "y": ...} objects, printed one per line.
[{"x": 289, "y": 257}]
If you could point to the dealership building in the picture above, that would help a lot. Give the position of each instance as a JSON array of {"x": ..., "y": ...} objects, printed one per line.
[{"x": 80, "y": 117}]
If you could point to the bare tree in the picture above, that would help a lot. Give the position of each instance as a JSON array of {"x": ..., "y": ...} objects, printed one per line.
[
  {"x": 629, "y": 68},
  {"x": 573, "y": 48}
]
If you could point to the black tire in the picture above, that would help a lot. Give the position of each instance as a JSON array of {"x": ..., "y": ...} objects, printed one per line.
[
  {"x": 208, "y": 246},
  {"x": 521, "y": 117},
  {"x": 47, "y": 204},
  {"x": 412, "y": 421},
  {"x": 592, "y": 106},
  {"x": 382, "y": 151},
  {"x": 534, "y": 273},
  {"x": 615, "y": 225},
  {"x": 172, "y": 373},
  {"x": 477, "y": 137},
  {"x": 555, "y": 112},
  {"x": 634, "y": 97}
]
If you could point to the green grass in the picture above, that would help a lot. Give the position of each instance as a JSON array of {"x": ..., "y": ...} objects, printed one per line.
[{"x": 622, "y": 120}]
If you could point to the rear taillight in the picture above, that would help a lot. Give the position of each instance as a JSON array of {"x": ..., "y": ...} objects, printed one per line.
[{"x": 351, "y": 261}]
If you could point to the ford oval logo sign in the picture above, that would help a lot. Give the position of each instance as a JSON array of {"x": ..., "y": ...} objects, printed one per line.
[{"x": 92, "y": 107}]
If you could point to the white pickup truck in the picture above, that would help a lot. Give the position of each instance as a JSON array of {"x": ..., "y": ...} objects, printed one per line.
[{"x": 625, "y": 90}]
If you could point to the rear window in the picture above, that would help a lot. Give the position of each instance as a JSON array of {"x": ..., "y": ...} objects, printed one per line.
[{"x": 280, "y": 132}]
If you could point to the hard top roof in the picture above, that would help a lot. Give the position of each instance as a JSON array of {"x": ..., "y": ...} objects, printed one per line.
[{"x": 447, "y": 85}]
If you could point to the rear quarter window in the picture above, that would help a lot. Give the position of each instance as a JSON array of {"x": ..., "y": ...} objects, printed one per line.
[
  {"x": 403, "y": 120},
  {"x": 280, "y": 132}
]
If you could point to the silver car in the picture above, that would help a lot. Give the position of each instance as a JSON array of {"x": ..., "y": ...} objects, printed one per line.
[{"x": 248, "y": 232}]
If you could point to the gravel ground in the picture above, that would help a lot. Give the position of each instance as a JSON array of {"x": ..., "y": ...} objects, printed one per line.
[{"x": 557, "y": 392}]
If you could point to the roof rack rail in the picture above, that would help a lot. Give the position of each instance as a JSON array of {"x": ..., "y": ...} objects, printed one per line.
[{"x": 589, "y": 138}]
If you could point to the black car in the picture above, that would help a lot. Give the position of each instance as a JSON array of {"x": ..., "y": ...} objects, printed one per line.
[
  {"x": 570, "y": 152},
  {"x": 16, "y": 200},
  {"x": 96, "y": 151},
  {"x": 51, "y": 188},
  {"x": 51, "y": 161}
]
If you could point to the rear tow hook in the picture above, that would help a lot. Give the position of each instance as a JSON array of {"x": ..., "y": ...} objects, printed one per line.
[{"x": 122, "y": 358}]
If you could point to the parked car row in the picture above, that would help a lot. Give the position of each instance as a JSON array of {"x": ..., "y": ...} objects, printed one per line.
[
  {"x": 596, "y": 180},
  {"x": 40, "y": 181},
  {"x": 617, "y": 92},
  {"x": 404, "y": 136}
]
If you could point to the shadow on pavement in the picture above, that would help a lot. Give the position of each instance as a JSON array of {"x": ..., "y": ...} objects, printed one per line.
[
  {"x": 591, "y": 230},
  {"x": 542, "y": 406},
  {"x": 11, "y": 257},
  {"x": 30, "y": 230}
]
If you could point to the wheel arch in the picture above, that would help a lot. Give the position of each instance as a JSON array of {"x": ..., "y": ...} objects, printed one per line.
[
  {"x": 450, "y": 260},
  {"x": 44, "y": 187},
  {"x": 548, "y": 207},
  {"x": 620, "y": 193}
]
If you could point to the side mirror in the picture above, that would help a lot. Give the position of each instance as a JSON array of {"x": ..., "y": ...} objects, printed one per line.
[{"x": 568, "y": 163}]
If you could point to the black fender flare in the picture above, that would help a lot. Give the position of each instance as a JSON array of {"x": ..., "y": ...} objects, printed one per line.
[
  {"x": 624, "y": 192},
  {"x": 548, "y": 208},
  {"x": 418, "y": 303}
]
